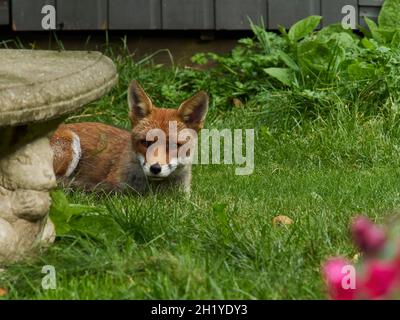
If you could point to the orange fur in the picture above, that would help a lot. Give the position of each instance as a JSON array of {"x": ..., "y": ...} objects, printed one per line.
[
  {"x": 109, "y": 155},
  {"x": 105, "y": 154}
]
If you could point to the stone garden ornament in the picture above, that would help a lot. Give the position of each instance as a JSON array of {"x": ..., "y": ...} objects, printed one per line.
[{"x": 37, "y": 90}]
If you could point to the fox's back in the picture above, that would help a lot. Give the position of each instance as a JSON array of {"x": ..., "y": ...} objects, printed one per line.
[{"x": 92, "y": 153}]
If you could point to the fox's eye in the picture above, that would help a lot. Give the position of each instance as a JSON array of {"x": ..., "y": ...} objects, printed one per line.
[{"x": 146, "y": 143}]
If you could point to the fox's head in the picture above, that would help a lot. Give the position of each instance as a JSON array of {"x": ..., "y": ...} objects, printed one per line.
[{"x": 162, "y": 138}]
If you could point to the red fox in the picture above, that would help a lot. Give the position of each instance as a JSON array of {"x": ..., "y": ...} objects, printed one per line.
[{"x": 97, "y": 156}]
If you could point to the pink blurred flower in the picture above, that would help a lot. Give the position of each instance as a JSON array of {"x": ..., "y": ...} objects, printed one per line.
[
  {"x": 333, "y": 270},
  {"x": 378, "y": 275},
  {"x": 380, "y": 278},
  {"x": 368, "y": 237}
]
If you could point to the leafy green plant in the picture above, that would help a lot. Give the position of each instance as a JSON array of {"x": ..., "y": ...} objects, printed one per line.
[
  {"x": 62, "y": 211},
  {"x": 70, "y": 218},
  {"x": 388, "y": 31},
  {"x": 312, "y": 69},
  {"x": 389, "y": 16},
  {"x": 303, "y": 28}
]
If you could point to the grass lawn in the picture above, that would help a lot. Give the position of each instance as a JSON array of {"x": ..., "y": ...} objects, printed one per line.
[
  {"x": 220, "y": 242},
  {"x": 327, "y": 149}
]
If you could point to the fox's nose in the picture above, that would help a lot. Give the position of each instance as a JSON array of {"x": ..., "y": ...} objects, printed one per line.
[{"x": 155, "y": 168}]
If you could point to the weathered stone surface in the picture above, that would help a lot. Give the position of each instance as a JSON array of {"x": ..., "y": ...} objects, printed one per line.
[
  {"x": 29, "y": 235},
  {"x": 37, "y": 85},
  {"x": 37, "y": 88},
  {"x": 49, "y": 233},
  {"x": 8, "y": 241},
  {"x": 12, "y": 138},
  {"x": 26, "y": 175},
  {"x": 24, "y": 204},
  {"x": 30, "y": 167}
]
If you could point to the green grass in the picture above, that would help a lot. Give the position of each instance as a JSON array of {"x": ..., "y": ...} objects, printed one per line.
[{"x": 220, "y": 243}]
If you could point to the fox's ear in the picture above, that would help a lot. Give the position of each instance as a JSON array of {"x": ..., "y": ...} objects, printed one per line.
[
  {"x": 194, "y": 110},
  {"x": 140, "y": 105}
]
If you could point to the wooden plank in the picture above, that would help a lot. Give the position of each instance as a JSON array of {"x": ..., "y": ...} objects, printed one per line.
[
  {"x": 134, "y": 14},
  {"x": 27, "y": 15},
  {"x": 288, "y": 12},
  {"x": 332, "y": 10},
  {"x": 82, "y": 14},
  {"x": 235, "y": 14},
  {"x": 371, "y": 3},
  {"x": 4, "y": 13},
  {"x": 188, "y": 14}
]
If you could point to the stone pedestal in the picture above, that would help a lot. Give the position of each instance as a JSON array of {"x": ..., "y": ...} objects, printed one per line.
[{"x": 37, "y": 90}]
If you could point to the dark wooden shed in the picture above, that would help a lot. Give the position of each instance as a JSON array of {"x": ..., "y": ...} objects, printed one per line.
[{"x": 177, "y": 14}]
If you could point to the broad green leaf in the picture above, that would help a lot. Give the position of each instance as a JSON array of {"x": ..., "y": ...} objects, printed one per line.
[
  {"x": 337, "y": 28},
  {"x": 344, "y": 40},
  {"x": 376, "y": 34},
  {"x": 361, "y": 70},
  {"x": 396, "y": 40},
  {"x": 61, "y": 211},
  {"x": 303, "y": 28},
  {"x": 284, "y": 75},
  {"x": 371, "y": 24},
  {"x": 59, "y": 200},
  {"x": 387, "y": 34},
  {"x": 99, "y": 227},
  {"x": 364, "y": 30},
  {"x": 320, "y": 55},
  {"x": 367, "y": 44},
  {"x": 288, "y": 60},
  {"x": 61, "y": 226},
  {"x": 79, "y": 209},
  {"x": 390, "y": 14},
  {"x": 58, "y": 212},
  {"x": 381, "y": 34}
]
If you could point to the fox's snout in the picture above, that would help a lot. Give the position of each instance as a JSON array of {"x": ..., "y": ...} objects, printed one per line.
[{"x": 157, "y": 170}]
